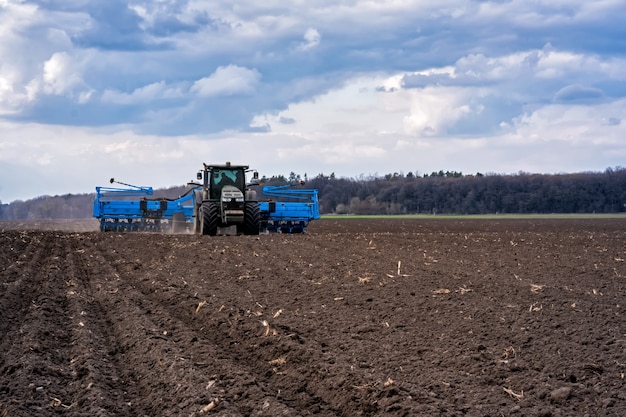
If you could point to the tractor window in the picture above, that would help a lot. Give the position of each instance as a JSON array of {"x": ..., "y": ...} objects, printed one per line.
[{"x": 222, "y": 177}]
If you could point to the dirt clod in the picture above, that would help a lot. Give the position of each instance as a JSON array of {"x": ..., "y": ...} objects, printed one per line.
[{"x": 560, "y": 395}]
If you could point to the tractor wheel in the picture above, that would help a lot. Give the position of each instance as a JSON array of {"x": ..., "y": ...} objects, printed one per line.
[
  {"x": 178, "y": 222},
  {"x": 252, "y": 219},
  {"x": 209, "y": 218}
]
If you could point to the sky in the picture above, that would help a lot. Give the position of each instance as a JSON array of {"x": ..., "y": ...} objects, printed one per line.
[{"x": 147, "y": 91}]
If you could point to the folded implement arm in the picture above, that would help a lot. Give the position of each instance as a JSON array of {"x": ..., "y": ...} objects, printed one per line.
[
  {"x": 131, "y": 209},
  {"x": 292, "y": 213}
]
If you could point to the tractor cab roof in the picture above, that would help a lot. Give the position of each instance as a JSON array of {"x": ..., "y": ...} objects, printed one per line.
[{"x": 227, "y": 165}]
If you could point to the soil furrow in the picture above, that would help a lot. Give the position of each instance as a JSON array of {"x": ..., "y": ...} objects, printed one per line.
[
  {"x": 102, "y": 384},
  {"x": 165, "y": 357},
  {"x": 20, "y": 258},
  {"x": 36, "y": 352}
]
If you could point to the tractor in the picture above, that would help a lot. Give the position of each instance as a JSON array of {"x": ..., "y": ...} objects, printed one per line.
[
  {"x": 221, "y": 202},
  {"x": 224, "y": 200}
]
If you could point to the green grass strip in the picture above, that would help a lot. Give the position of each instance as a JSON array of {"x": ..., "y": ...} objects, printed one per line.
[{"x": 577, "y": 216}]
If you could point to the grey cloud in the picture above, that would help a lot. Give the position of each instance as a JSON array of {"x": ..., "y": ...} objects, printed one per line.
[
  {"x": 612, "y": 121},
  {"x": 123, "y": 26},
  {"x": 577, "y": 93},
  {"x": 421, "y": 80}
]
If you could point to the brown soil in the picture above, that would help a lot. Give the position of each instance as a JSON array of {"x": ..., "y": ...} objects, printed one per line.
[{"x": 355, "y": 318}]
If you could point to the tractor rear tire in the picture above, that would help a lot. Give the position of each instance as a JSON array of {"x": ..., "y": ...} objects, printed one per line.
[
  {"x": 252, "y": 219},
  {"x": 210, "y": 216}
]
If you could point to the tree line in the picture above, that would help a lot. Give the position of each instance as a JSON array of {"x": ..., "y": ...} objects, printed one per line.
[
  {"x": 449, "y": 192},
  {"x": 455, "y": 193}
]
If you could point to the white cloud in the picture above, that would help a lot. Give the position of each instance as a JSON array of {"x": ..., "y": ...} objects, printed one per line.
[
  {"x": 9, "y": 102},
  {"x": 538, "y": 64},
  {"x": 432, "y": 110},
  {"x": 36, "y": 55},
  {"x": 145, "y": 94},
  {"x": 60, "y": 74},
  {"x": 481, "y": 91},
  {"x": 226, "y": 81},
  {"x": 376, "y": 120},
  {"x": 312, "y": 39},
  {"x": 14, "y": 18},
  {"x": 572, "y": 124}
]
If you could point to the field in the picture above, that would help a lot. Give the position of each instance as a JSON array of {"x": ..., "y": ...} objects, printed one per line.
[{"x": 374, "y": 317}]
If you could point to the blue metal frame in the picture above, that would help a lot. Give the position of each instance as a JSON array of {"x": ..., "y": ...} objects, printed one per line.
[
  {"x": 125, "y": 209},
  {"x": 289, "y": 216}
]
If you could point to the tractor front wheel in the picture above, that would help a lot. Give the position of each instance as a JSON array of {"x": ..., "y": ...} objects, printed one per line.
[
  {"x": 210, "y": 213},
  {"x": 252, "y": 219}
]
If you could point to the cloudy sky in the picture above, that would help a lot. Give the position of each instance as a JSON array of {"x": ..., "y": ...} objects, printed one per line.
[{"x": 147, "y": 90}]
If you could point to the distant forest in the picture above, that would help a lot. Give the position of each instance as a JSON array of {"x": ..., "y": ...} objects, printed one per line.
[{"x": 448, "y": 192}]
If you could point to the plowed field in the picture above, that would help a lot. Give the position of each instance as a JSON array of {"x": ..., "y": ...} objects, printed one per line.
[{"x": 354, "y": 318}]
